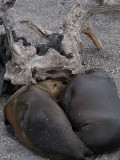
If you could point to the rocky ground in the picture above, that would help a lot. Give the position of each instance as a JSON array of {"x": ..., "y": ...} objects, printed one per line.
[{"x": 45, "y": 13}]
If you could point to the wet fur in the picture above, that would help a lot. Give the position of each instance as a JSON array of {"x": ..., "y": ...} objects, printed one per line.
[{"x": 33, "y": 112}]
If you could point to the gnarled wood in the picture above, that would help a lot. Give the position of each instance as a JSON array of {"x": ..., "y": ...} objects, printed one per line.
[
  {"x": 43, "y": 33},
  {"x": 27, "y": 67},
  {"x": 77, "y": 22}
]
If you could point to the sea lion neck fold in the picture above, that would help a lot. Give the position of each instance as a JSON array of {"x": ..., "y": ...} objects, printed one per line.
[{"x": 52, "y": 87}]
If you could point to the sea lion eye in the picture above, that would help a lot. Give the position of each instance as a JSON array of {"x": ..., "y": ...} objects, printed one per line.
[{"x": 54, "y": 85}]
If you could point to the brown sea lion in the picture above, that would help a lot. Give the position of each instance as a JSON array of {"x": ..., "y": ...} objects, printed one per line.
[
  {"x": 40, "y": 123},
  {"x": 93, "y": 108}
]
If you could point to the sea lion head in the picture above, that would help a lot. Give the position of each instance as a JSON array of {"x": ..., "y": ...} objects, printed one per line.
[{"x": 54, "y": 87}]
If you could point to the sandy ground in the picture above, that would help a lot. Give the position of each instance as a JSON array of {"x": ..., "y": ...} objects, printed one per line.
[{"x": 45, "y": 13}]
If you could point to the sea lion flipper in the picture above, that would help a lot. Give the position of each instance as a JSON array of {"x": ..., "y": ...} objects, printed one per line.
[
  {"x": 48, "y": 128},
  {"x": 66, "y": 101}
]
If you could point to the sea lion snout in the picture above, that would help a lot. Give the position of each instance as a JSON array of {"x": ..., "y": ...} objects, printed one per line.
[{"x": 54, "y": 87}]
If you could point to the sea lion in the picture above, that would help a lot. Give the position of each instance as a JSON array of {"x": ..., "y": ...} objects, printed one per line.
[
  {"x": 40, "y": 123},
  {"x": 93, "y": 107}
]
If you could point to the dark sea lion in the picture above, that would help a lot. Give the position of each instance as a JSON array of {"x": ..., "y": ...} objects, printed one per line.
[
  {"x": 93, "y": 108},
  {"x": 40, "y": 123}
]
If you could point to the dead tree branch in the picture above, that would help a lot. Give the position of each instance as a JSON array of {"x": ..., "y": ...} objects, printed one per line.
[
  {"x": 26, "y": 67},
  {"x": 43, "y": 33},
  {"x": 77, "y": 22}
]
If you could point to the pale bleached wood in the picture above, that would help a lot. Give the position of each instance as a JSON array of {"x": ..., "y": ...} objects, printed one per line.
[{"x": 26, "y": 67}]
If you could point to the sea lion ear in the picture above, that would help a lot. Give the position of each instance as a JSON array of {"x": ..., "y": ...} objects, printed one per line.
[{"x": 55, "y": 84}]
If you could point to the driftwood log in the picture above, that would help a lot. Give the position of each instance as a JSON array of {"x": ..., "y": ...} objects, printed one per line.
[{"x": 26, "y": 66}]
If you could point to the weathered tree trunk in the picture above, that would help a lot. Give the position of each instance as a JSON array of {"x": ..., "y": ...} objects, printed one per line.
[{"x": 26, "y": 66}]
